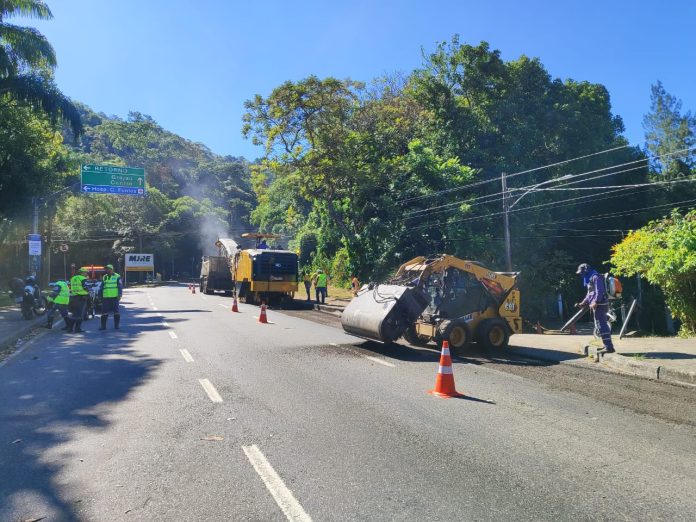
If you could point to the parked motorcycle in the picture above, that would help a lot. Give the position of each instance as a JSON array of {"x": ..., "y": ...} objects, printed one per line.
[{"x": 30, "y": 299}]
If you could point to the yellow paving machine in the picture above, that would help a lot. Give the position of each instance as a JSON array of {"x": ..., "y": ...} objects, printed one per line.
[
  {"x": 261, "y": 274},
  {"x": 437, "y": 298}
]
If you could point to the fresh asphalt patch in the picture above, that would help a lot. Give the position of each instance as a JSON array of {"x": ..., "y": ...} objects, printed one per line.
[{"x": 660, "y": 400}]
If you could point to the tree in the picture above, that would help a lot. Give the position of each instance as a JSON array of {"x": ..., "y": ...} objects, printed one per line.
[
  {"x": 664, "y": 253},
  {"x": 26, "y": 62},
  {"x": 669, "y": 135}
]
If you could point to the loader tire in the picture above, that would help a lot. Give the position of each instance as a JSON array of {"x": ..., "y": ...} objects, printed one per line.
[
  {"x": 493, "y": 334},
  {"x": 412, "y": 337},
  {"x": 457, "y": 333}
]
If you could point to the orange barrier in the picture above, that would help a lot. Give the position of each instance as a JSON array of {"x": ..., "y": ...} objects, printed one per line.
[
  {"x": 235, "y": 308},
  {"x": 262, "y": 315},
  {"x": 444, "y": 383}
]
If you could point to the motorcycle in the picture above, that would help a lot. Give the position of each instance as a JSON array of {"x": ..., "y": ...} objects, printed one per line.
[{"x": 31, "y": 301}]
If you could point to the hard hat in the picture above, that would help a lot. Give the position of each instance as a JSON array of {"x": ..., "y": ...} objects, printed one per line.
[
  {"x": 583, "y": 268},
  {"x": 110, "y": 267},
  {"x": 82, "y": 269}
]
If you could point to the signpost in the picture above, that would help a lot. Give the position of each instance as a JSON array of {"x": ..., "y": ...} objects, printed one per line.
[
  {"x": 110, "y": 179},
  {"x": 139, "y": 263}
]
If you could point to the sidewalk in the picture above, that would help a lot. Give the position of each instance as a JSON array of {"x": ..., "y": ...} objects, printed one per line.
[
  {"x": 13, "y": 327},
  {"x": 668, "y": 359}
]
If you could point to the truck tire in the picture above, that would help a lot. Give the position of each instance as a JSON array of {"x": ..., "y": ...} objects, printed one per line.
[
  {"x": 493, "y": 334},
  {"x": 457, "y": 333},
  {"x": 206, "y": 290},
  {"x": 412, "y": 337}
]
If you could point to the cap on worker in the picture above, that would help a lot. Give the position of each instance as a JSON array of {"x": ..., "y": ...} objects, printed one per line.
[
  {"x": 584, "y": 267},
  {"x": 110, "y": 267}
]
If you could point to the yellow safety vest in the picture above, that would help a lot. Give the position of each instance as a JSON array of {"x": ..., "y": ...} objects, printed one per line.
[
  {"x": 110, "y": 285},
  {"x": 76, "y": 285},
  {"x": 321, "y": 281},
  {"x": 63, "y": 296}
]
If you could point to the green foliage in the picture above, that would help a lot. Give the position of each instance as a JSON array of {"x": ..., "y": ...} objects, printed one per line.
[
  {"x": 26, "y": 62},
  {"x": 664, "y": 253},
  {"x": 670, "y": 135}
]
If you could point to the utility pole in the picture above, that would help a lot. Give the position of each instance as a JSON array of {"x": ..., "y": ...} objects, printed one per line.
[{"x": 506, "y": 216}]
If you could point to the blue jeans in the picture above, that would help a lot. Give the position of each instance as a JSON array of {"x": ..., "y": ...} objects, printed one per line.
[{"x": 321, "y": 291}]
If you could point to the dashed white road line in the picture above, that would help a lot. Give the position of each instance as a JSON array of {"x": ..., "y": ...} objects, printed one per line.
[
  {"x": 173, "y": 335},
  {"x": 281, "y": 494},
  {"x": 223, "y": 305},
  {"x": 165, "y": 324},
  {"x": 186, "y": 355},
  {"x": 213, "y": 394},
  {"x": 159, "y": 314},
  {"x": 154, "y": 307},
  {"x": 379, "y": 361}
]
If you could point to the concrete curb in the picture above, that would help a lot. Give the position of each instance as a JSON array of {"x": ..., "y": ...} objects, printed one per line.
[
  {"x": 639, "y": 368},
  {"x": 23, "y": 330},
  {"x": 31, "y": 341}
]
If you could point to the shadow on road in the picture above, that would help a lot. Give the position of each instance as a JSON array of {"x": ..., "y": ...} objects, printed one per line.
[{"x": 59, "y": 386}]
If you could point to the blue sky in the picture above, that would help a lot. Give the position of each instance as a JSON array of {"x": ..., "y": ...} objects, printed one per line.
[{"x": 191, "y": 64}]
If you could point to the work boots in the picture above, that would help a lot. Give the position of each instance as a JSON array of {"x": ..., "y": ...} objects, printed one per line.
[
  {"x": 78, "y": 326},
  {"x": 117, "y": 321},
  {"x": 103, "y": 322},
  {"x": 69, "y": 323},
  {"x": 49, "y": 323}
]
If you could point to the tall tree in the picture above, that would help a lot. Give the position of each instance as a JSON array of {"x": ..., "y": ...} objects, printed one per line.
[
  {"x": 26, "y": 62},
  {"x": 670, "y": 135}
]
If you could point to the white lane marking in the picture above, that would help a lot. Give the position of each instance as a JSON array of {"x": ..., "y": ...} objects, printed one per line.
[
  {"x": 334, "y": 344},
  {"x": 173, "y": 335},
  {"x": 379, "y": 361},
  {"x": 186, "y": 355},
  {"x": 165, "y": 324},
  {"x": 223, "y": 305},
  {"x": 281, "y": 494},
  {"x": 154, "y": 307},
  {"x": 213, "y": 395}
]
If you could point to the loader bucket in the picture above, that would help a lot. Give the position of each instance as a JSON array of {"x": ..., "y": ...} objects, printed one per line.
[{"x": 384, "y": 313}]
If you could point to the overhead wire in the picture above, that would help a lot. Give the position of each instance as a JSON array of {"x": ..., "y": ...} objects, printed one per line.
[
  {"x": 520, "y": 173},
  {"x": 570, "y": 176}
]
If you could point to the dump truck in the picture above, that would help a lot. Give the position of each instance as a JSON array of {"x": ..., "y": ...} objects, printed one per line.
[
  {"x": 435, "y": 299},
  {"x": 215, "y": 275},
  {"x": 260, "y": 274}
]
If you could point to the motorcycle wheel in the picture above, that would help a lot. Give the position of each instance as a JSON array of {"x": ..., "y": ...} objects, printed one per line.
[{"x": 40, "y": 306}]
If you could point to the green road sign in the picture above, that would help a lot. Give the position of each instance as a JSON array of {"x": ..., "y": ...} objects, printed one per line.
[{"x": 111, "y": 179}]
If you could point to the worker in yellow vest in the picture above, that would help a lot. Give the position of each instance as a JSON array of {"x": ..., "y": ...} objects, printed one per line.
[
  {"x": 78, "y": 299},
  {"x": 320, "y": 283},
  {"x": 59, "y": 298},
  {"x": 111, "y": 291}
]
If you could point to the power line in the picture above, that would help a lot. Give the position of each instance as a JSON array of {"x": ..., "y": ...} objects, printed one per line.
[
  {"x": 446, "y": 191},
  {"x": 570, "y": 176}
]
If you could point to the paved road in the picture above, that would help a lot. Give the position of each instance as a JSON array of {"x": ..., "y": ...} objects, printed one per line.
[{"x": 191, "y": 412}]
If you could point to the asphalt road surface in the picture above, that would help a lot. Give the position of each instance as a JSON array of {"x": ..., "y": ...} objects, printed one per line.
[{"x": 192, "y": 412}]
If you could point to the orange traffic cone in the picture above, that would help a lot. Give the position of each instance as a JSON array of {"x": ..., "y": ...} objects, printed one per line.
[
  {"x": 262, "y": 315},
  {"x": 193, "y": 289},
  {"x": 444, "y": 383},
  {"x": 189, "y": 287},
  {"x": 235, "y": 308}
]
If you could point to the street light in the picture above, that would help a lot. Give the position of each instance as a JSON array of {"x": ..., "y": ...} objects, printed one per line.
[{"x": 507, "y": 207}]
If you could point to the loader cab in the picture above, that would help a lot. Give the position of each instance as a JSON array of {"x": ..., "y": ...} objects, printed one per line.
[{"x": 455, "y": 293}]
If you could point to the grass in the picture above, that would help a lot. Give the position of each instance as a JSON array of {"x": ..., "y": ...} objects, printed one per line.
[
  {"x": 339, "y": 292},
  {"x": 6, "y": 300},
  {"x": 638, "y": 356}
]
